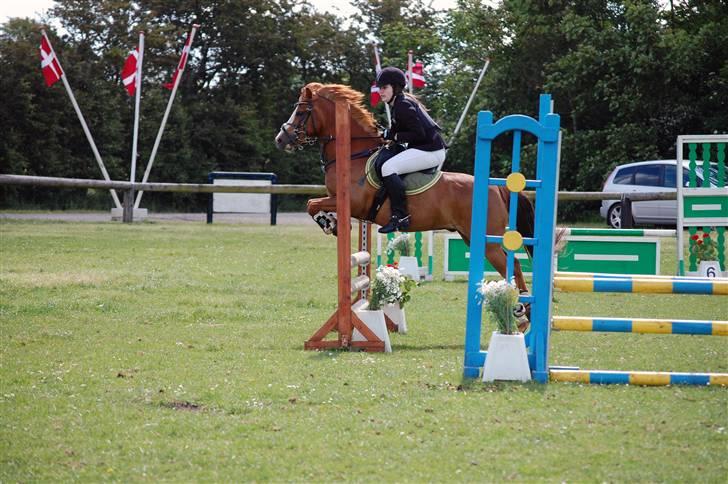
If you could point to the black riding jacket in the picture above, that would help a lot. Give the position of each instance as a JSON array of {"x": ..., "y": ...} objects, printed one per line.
[{"x": 412, "y": 125}]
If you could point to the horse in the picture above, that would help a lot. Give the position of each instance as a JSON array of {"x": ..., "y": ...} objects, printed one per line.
[{"x": 444, "y": 206}]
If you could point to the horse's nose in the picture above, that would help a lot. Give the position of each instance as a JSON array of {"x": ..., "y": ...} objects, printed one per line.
[{"x": 280, "y": 144}]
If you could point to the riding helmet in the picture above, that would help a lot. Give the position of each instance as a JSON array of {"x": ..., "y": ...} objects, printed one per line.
[{"x": 391, "y": 76}]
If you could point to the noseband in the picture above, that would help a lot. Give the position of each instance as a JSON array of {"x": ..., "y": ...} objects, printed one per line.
[{"x": 300, "y": 137}]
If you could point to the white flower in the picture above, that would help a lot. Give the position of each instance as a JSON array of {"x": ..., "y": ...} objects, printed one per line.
[
  {"x": 389, "y": 286},
  {"x": 500, "y": 297}
]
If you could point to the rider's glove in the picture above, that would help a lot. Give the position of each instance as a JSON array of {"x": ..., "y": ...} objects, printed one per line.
[{"x": 387, "y": 134}]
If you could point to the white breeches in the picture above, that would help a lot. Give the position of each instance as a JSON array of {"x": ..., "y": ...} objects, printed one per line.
[{"x": 412, "y": 160}]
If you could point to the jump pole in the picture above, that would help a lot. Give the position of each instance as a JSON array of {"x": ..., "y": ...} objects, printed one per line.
[{"x": 344, "y": 319}]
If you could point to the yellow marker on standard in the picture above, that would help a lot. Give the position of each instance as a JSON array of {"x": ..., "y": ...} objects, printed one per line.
[
  {"x": 516, "y": 182},
  {"x": 512, "y": 240}
]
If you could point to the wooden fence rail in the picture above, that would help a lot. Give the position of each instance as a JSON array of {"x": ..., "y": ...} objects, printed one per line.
[{"x": 274, "y": 189}]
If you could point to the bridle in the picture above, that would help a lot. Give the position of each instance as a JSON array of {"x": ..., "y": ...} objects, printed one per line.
[{"x": 299, "y": 138}]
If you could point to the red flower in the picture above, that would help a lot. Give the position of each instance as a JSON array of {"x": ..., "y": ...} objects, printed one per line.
[
  {"x": 706, "y": 235},
  {"x": 699, "y": 242},
  {"x": 695, "y": 237}
]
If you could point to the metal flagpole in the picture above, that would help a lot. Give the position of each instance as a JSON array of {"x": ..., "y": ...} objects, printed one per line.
[
  {"x": 377, "y": 68},
  {"x": 177, "y": 78},
  {"x": 83, "y": 124},
  {"x": 138, "y": 94},
  {"x": 409, "y": 70},
  {"x": 470, "y": 99}
]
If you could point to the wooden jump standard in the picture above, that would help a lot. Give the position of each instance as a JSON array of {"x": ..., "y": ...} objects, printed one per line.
[{"x": 344, "y": 319}]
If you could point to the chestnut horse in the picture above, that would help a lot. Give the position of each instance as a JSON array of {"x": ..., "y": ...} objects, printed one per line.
[{"x": 446, "y": 205}]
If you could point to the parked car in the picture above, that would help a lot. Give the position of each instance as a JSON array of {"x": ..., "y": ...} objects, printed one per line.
[{"x": 645, "y": 177}]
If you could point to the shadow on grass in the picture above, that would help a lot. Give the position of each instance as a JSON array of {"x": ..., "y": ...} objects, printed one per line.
[{"x": 395, "y": 348}]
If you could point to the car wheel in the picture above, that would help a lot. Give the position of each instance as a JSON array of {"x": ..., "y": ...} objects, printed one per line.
[{"x": 614, "y": 216}]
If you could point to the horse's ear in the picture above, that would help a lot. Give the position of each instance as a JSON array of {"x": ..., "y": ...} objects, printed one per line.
[{"x": 310, "y": 89}]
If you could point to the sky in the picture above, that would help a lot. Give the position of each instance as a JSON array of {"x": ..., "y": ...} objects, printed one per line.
[{"x": 33, "y": 8}]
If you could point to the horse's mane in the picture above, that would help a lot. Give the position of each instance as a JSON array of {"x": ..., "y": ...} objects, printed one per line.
[{"x": 341, "y": 92}]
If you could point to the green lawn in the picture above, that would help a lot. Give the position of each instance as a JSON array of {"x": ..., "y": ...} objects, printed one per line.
[{"x": 174, "y": 351}]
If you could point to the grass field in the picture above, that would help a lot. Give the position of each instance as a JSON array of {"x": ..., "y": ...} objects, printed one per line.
[{"x": 165, "y": 351}]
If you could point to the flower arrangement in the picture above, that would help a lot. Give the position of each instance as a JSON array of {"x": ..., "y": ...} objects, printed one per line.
[
  {"x": 500, "y": 298},
  {"x": 704, "y": 248},
  {"x": 401, "y": 245},
  {"x": 389, "y": 287}
]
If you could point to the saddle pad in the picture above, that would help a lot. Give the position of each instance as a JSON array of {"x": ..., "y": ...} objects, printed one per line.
[{"x": 415, "y": 183}]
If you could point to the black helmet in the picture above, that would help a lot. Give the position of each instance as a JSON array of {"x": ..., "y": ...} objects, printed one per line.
[{"x": 391, "y": 76}]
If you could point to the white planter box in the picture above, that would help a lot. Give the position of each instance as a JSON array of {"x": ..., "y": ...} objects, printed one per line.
[
  {"x": 407, "y": 266},
  {"x": 374, "y": 321},
  {"x": 506, "y": 359},
  {"x": 396, "y": 314}
]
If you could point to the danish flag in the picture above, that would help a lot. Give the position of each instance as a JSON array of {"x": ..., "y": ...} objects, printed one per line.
[
  {"x": 49, "y": 64},
  {"x": 374, "y": 96},
  {"x": 128, "y": 73},
  {"x": 182, "y": 63},
  {"x": 418, "y": 75}
]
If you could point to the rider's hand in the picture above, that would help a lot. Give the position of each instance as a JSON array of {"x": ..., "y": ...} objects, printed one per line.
[{"x": 387, "y": 134}]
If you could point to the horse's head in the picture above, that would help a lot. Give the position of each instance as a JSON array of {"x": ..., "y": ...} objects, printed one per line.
[
  {"x": 312, "y": 119},
  {"x": 301, "y": 128}
]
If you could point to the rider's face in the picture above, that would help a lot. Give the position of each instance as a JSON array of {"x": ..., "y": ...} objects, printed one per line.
[{"x": 386, "y": 92}]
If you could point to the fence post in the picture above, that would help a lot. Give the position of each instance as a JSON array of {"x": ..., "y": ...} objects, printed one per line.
[
  {"x": 627, "y": 220},
  {"x": 128, "y": 214}
]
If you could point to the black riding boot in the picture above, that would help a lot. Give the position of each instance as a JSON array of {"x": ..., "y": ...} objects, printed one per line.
[{"x": 398, "y": 199}]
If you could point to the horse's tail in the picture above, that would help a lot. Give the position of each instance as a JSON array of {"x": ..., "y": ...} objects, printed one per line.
[{"x": 525, "y": 219}]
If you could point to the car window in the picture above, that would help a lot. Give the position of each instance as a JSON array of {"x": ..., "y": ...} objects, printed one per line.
[
  {"x": 648, "y": 175},
  {"x": 625, "y": 176},
  {"x": 670, "y": 176},
  {"x": 698, "y": 178}
]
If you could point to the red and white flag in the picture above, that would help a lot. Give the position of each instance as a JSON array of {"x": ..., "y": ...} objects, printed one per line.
[
  {"x": 418, "y": 75},
  {"x": 49, "y": 64},
  {"x": 182, "y": 62},
  {"x": 374, "y": 96},
  {"x": 128, "y": 73}
]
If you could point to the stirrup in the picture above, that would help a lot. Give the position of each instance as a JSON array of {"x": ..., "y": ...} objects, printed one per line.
[{"x": 395, "y": 224}]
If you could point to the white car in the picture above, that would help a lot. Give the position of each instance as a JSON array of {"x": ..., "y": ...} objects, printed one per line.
[{"x": 645, "y": 177}]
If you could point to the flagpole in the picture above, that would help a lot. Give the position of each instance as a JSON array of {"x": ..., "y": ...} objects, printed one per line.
[
  {"x": 470, "y": 99},
  {"x": 377, "y": 68},
  {"x": 83, "y": 122},
  {"x": 178, "y": 77},
  {"x": 409, "y": 70},
  {"x": 138, "y": 93}
]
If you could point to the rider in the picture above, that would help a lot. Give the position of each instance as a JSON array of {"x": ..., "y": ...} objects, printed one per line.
[{"x": 412, "y": 125}]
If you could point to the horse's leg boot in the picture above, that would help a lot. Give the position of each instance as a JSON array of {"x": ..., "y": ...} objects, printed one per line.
[
  {"x": 522, "y": 312},
  {"x": 400, "y": 219},
  {"x": 327, "y": 222}
]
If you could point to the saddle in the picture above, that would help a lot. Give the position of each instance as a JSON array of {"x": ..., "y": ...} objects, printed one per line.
[{"x": 415, "y": 183}]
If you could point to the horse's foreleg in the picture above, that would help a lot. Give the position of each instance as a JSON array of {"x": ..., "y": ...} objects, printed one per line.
[{"x": 323, "y": 211}]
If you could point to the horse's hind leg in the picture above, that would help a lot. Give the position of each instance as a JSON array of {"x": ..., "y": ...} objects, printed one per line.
[{"x": 498, "y": 259}]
